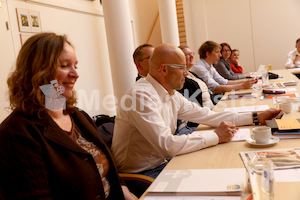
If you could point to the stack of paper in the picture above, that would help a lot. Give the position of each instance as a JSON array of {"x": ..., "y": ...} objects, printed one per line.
[
  {"x": 202, "y": 182},
  {"x": 285, "y": 128}
]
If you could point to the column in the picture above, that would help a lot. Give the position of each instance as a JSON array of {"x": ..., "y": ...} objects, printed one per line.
[
  {"x": 120, "y": 45},
  {"x": 168, "y": 21}
]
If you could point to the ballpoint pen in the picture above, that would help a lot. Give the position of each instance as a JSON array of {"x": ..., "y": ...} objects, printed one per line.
[{"x": 250, "y": 197}]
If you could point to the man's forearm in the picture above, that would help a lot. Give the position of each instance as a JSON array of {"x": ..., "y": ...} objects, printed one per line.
[{"x": 227, "y": 88}]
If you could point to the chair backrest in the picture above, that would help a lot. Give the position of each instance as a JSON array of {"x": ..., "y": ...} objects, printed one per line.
[
  {"x": 105, "y": 126},
  {"x": 101, "y": 119}
]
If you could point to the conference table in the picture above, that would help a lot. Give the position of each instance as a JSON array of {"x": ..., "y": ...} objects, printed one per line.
[
  {"x": 226, "y": 155},
  {"x": 295, "y": 71}
]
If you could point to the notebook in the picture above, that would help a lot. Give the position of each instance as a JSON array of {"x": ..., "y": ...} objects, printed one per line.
[
  {"x": 285, "y": 128},
  {"x": 202, "y": 182}
]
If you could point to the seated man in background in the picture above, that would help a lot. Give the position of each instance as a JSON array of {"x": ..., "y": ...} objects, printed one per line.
[
  {"x": 210, "y": 54},
  {"x": 141, "y": 57},
  {"x": 195, "y": 90},
  {"x": 143, "y": 135},
  {"x": 194, "y": 84},
  {"x": 293, "y": 57}
]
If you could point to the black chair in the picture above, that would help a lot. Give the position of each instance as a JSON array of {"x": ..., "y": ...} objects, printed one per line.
[{"x": 105, "y": 126}]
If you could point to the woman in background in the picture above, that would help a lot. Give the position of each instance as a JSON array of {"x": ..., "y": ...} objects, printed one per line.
[
  {"x": 234, "y": 61},
  {"x": 49, "y": 149},
  {"x": 223, "y": 67}
]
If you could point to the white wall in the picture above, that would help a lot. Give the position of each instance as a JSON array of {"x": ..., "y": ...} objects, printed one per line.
[
  {"x": 7, "y": 59},
  {"x": 86, "y": 32},
  {"x": 276, "y": 27},
  {"x": 144, "y": 13},
  {"x": 82, "y": 21},
  {"x": 263, "y": 31}
]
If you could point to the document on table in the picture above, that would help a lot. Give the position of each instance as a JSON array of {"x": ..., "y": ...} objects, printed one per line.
[
  {"x": 248, "y": 95},
  {"x": 241, "y": 134},
  {"x": 283, "y": 159},
  {"x": 287, "y": 175},
  {"x": 192, "y": 198},
  {"x": 248, "y": 108},
  {"x": 200, "y": 182}
]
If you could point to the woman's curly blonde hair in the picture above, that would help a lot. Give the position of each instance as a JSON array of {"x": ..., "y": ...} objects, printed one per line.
[{"x": 36, "y": 65}]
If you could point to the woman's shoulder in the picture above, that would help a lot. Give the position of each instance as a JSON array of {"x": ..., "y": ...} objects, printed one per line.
[
  {"x": 80, "y": 115},
  {"x": 221, "y": 65},
  {"x": 221, "y": 62},
  {"x": 20, "y": 123},
  {"x": 17, "y": 117}
]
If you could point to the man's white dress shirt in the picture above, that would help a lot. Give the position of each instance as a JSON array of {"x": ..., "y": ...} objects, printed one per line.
[
  {"x": 208, "y": 74},
  {"x": 146, "y": 120},
  {"x": 290, "y": 59}
]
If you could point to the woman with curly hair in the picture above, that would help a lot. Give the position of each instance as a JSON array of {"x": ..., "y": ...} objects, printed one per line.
[{"x": 50, "y": 149}]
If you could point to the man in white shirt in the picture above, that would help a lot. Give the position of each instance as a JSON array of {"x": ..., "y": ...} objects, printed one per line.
[
  {"x": 141, "y": 56},
  {"x": 147, "y": 116},
  {"x": 293, "y": 57},
  {"x": 210, "y": 54}
]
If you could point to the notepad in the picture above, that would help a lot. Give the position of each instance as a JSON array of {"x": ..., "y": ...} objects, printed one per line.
[
  {"x": 241, "y": 134},
  {"x": 161, "y": 197},
  {"x": 202, "y": 182},
  {"x": 287, "y": 124}
]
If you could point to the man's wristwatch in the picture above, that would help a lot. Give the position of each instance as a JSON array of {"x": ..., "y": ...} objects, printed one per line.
[{"x": 255, "y": 118}]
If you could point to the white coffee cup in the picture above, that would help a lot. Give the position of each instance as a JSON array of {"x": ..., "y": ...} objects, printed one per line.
[
  {"x": 286, "y": 107},
  {"x": 261, "y": 134}
]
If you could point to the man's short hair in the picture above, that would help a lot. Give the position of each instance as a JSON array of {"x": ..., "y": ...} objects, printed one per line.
[
  {"x": 183, "y": 47},
  {"x": 298, "y": 40},
  {"x": 137, "y": 54},
  {"x": 207, "y": 46}
]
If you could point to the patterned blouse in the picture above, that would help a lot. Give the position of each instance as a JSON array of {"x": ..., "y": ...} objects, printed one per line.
[{"x": 100, "y": 158}]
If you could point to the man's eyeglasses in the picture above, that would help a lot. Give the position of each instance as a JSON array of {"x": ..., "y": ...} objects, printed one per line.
[
  {"x": 176, "y": 66},
  {"x": 190, "y": 54},
  {"x": 144, "y": 58}
]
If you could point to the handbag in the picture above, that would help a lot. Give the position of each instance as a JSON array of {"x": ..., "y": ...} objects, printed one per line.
[{"x": 272, "y": 75}]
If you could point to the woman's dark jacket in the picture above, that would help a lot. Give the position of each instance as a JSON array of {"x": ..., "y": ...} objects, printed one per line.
[{"x": 38, "y": 160}]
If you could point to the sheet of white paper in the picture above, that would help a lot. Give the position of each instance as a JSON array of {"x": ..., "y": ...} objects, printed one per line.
[
  {"x": 241, "y": 135},
  {"x": 248, "y": 108},
  {"x": 287, "y": 175},
  {"x": 290, "y": 89},
  {"x": 253, "y": 95},
  {"x": 192, "y": 198},
  {"x": 295, "y": 107}
]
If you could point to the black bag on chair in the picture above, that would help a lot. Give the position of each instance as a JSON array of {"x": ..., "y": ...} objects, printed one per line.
[{"x": 105, "y": 126}]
